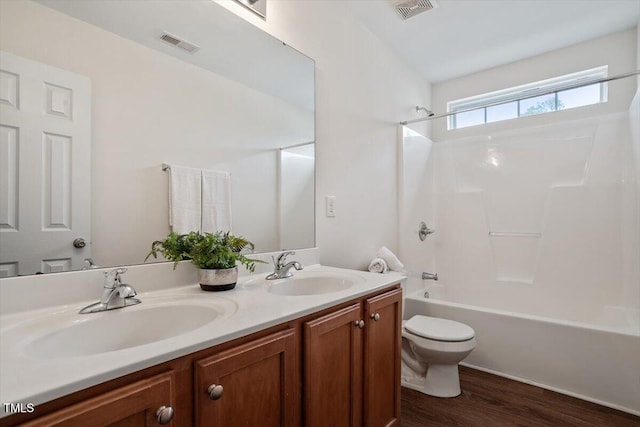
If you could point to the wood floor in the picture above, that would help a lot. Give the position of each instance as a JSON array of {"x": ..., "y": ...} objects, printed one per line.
[{"x": 491, "y": 401}]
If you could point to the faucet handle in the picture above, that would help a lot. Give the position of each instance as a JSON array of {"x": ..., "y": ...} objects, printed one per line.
[
  {"x": 283, "y": 256},
  {"x": 112, "y": 278}
]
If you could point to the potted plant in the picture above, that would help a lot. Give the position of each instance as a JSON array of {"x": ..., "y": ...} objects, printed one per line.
[{"x": 215, "y": 255}]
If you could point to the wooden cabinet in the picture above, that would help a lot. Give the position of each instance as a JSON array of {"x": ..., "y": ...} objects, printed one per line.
[
  {"x": 255, "y": 384},
  {"x": 337, "y": 367},
  {"x": 332, "y": 385},
  {"x": 382, "y": 343},
  {"x": 352, "y": 364},
  {"x": 134, "y": 405}
]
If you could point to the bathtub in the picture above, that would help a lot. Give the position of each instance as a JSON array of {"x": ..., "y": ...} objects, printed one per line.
[{"x": 598, "y": 362}]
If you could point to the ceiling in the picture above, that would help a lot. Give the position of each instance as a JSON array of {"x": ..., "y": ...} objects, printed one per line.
[{"x": 465, "y": 36}]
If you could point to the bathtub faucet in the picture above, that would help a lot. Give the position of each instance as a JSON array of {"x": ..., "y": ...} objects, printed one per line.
[{"x": 429, "y": 276}]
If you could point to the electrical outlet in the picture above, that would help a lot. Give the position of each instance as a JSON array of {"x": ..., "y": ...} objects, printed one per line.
[{"x": 330, "y": 206}]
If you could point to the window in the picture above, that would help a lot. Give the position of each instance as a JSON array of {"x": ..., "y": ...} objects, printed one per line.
[{"x": 560, "y": 93}]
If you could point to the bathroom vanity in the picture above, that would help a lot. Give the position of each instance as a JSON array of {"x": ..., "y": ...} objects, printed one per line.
[{"x": 280, "y": 356}]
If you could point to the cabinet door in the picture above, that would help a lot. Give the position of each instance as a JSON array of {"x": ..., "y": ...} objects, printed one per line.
[
  {"x": 382, "y": 341},
  {"x": 332, "y": 386},
  {"x": 257, "y": 384},
  {"x": 135, "y": 405}
]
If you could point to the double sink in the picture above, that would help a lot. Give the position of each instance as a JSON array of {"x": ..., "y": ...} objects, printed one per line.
[{"x": 67, "y": 334}]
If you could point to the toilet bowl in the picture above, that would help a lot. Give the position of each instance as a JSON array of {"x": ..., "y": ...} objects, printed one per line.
[{"x": 431, "y": 351}]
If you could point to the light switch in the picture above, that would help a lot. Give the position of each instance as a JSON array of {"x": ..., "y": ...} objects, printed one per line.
[{"x": 330, "y": 206}]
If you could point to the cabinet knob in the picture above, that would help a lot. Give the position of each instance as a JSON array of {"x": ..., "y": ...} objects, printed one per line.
[
  {"x": 375, "y": 317},
  {"x": 164, "y": 414},
  {"x": 215, "y": 391},
  {"x": 359, "y": 323}
]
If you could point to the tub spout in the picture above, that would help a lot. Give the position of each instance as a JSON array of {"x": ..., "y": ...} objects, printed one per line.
[{"x": 429, "y": 276}]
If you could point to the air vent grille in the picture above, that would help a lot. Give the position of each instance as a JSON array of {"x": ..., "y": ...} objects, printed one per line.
[
  {"x": 178, "y": 42},
  {"x": 410, "y": 8}
]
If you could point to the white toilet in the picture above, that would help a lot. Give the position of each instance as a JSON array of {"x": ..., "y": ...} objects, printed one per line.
[{"x": 431, "y": 351}]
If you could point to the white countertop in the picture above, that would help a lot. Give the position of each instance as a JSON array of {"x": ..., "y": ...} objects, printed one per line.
[{"x": 28, "y": 378}]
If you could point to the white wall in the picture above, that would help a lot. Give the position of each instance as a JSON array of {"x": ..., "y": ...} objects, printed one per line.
[
  {"x": 362, "y": 91},
  {"x": 149, "y": 108}
]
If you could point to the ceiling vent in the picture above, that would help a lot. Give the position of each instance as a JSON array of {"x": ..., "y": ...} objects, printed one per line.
[
  {"x": 410, "y": 8},
  {"x": 178, "y": 42}
]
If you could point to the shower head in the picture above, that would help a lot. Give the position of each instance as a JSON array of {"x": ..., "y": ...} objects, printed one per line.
[{"x": 429, "y": 112}]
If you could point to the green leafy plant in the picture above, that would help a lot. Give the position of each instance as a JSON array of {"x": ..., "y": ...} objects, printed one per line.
[{"x": 208, "y": 251}]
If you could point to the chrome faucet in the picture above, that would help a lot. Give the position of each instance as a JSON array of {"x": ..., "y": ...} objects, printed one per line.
[
  {"x": 115, "y": 294},
  {"x": 429, "y": 276},
  {"x": 282, "y": 270}
]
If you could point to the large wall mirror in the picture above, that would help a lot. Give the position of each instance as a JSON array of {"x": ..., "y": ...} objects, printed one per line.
[{"x": 93, "y": 101}]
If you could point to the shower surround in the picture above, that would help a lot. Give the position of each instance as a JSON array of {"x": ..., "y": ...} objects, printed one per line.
[{"x": 536, "y": 214}]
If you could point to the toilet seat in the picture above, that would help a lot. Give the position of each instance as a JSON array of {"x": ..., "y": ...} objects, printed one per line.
[{"x": 437, "y": 329}]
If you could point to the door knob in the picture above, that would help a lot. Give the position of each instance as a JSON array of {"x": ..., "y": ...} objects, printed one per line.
[
  {"x": 215, "y": 391},
  {"x": 164, "y": 414},
  {"x": 79, "y": 243}
]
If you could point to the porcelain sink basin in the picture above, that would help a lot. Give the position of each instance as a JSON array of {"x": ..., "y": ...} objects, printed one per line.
[
  {"x": 312, "y": 284},
  {"x": 90, "y": 334}
]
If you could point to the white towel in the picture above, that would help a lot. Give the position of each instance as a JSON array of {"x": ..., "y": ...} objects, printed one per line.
[
  {"x": 185, "y": 199},
  {"x": 216, "y": 201},
  {"x": 378, "y": 265},
  {"x": 391, "y": 259}
]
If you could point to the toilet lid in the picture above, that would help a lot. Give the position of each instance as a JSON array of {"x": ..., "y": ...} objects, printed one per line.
[{"x": 439, "y": 329}]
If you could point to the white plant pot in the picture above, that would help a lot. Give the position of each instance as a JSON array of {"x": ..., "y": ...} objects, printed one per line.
[{"x": 217, "y": 279}]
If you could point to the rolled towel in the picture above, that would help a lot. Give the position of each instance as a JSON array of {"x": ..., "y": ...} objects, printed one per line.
[
  {"x": 389, "y": 257},
  {"x": 378, "y": 265}
]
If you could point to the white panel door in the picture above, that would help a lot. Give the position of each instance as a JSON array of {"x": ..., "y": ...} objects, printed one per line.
[{"x": 45, "y": 161}]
